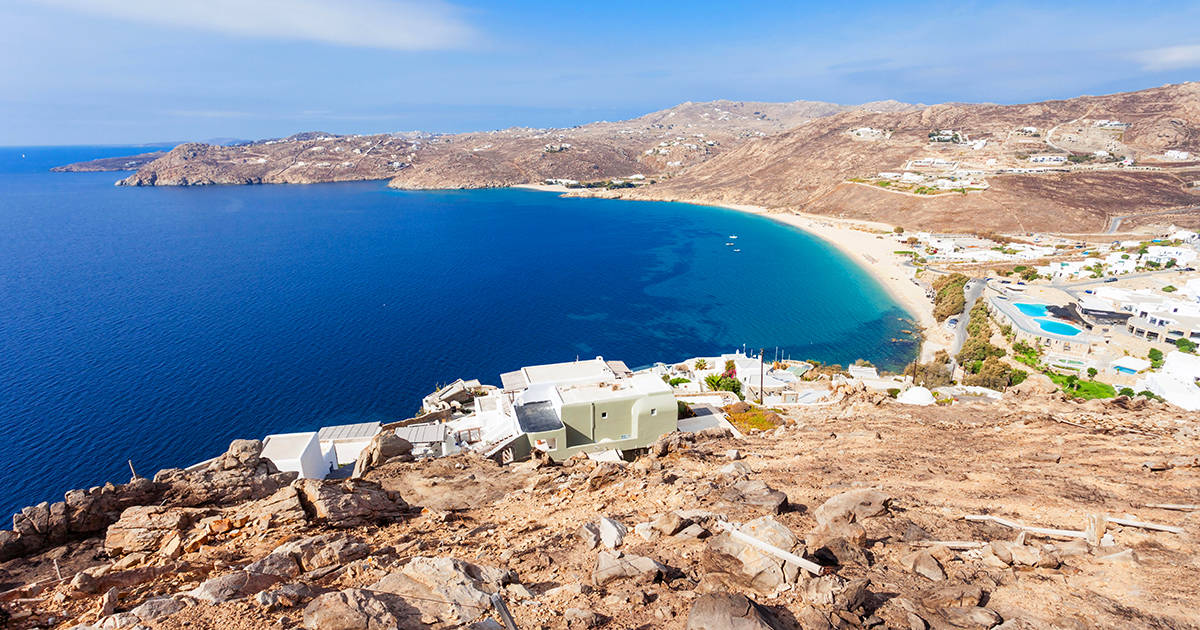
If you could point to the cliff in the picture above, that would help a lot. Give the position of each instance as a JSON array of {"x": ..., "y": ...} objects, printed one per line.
[{"x": 862, "y": 491}]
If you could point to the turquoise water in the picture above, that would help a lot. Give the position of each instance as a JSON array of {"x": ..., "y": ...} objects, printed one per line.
[
  {"x": 1032, "y": 310},
  {"x": 1058, "y": 328},
  {"x": 1039, "y": 315},
  {"x": 157, "y": 324}
]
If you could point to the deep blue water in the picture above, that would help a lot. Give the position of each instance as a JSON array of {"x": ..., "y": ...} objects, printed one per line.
[{"x": 158, "y": 324}]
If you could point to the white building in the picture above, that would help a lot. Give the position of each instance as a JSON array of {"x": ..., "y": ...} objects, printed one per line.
[
  {"x": 1177, "y": 381},
  {"x": 298, "y": 453},
  {"x": 1048, "y": 159},
  {"x": 1176, "y": 155},
  {"x": 1183, "y": 256},
  {"x": 342, "y": 444}
]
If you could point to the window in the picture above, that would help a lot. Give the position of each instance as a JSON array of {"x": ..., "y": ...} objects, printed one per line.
[
  {"x": 603, "y": 414},
  {"x": 654, "y": 412}
]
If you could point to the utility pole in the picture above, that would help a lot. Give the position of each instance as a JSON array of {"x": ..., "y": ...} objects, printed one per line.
[{"x": 761, "y": 373}]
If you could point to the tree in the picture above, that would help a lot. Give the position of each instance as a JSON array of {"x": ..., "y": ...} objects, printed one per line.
[
  {"x": 1092, "y": 372},
  {"x": 1156, "y": 357},
  {"x": 721, "y": 383},
  {"x": 992, "y": 374},
  {"x": 1186, "y": 345},
  {"x": 1127, "y": 391},
  {"x": 1072, "y": 382},
  {"x": 977, "y": 349},
  {"x": 898, "y": 230},
  {"x": 701, "y": 364}
]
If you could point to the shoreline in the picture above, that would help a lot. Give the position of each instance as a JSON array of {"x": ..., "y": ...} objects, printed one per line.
[{"x": 857, "y": 240}]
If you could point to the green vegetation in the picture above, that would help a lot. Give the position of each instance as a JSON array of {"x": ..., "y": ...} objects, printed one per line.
[
  {"x": 1156, "y": 358},
  {"x": 1080, "y": 159},
  {"x": 752, "y": 418},
  {"x": 685, "y": 410},
  {"x": 1092, "y": 372},
  {"x": 1186, "y": 345},
  {"x": 1170, "y": 288},
  {"x": 936, "y": 373},
  {"x": 949, "y": 299},
  {"x": 1127, "y": 391},
  {"x": 898, "y": 230},
  {"x": 723, "y": 383},
  {"x": 701, "y": 364},
  {"x": 1087, "y": 390},
  {"x": 883, "y": 184},
  {"x": 678, "y": 380}
]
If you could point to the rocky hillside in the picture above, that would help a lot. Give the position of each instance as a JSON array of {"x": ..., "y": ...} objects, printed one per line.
[
  {"x": 661, "y": 142},
  {"x": 811, "y": 167},
  {"x": 882, "y": 528}
]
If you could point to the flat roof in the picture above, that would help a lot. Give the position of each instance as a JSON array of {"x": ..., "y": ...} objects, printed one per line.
[
  {"x": 570, "y": 371},
  {"x": 356, "y": 431},
  {"x": 425, "y": 433},
  {"x": 287, "y": 445}
]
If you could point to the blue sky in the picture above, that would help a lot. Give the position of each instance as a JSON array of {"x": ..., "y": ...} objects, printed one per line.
[{"x": 129, "y": 71}]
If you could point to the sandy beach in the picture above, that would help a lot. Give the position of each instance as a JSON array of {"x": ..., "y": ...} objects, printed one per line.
[{"x": 872, "y": 247}]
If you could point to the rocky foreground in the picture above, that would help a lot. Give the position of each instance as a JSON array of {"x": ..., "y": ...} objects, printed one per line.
[{"x": 868, "y": 495}]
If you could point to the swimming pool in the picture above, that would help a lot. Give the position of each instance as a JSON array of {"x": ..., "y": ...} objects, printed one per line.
[
  {"x": 1057, "y": 327},
  {"x": 1032, "y": 310},
  {"x": 1052, "y": 326}
]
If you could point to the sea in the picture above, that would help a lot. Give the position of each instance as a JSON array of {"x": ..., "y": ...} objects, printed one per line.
[{"x": 153, "y": 325}]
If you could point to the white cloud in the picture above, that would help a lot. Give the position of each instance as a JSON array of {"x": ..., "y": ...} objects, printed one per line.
[
  {"x": 1170, "y": 57},
  {"x": 390, "y": 24}
]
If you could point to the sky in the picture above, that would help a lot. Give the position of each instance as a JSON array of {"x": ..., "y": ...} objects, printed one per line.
[{"x": 143, "y": 71}]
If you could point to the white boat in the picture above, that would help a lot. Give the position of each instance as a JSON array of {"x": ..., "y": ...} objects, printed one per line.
[
  {"x": 737, "y": 250},
  {"x": 733, "y": 236},
  {"x": 729, "y": 243}
]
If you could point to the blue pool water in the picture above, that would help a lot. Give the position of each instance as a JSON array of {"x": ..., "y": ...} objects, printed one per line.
[
  {"x": 1032, "y": 310},
  {"x": 1039, "y": 315},
  {"x": 1057, "y": 327},
  {"x": 157, "y": 324}
]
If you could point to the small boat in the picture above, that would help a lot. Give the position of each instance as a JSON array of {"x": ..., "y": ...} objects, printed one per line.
[
  {"x": 737, "y": 250},
  {"x": 733, "y": 236},
  {"x": 729, "y": 243}
]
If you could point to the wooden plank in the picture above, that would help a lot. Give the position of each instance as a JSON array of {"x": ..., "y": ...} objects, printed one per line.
[
  {"x": 951, "y": 544},
  {"x": 502, "y": 610},
  {"x": 1155, "y": 526},
  {"x": 1041, "y": 531},
  {"x": 1178, "y": 507},
  {"x": 786, "y": 556}
]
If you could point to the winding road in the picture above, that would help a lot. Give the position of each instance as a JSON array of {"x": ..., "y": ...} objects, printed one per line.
[{"x": 1115, "y": 222}]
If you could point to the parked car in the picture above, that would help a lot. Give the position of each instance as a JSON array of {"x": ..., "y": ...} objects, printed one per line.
[{"x": 1110, "y": 279}]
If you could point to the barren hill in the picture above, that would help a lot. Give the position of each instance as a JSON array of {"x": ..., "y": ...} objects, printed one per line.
[
  {"x": 810, "y": 167},
  {"x": 658, "y": 143},
  {"x": 862, "y": 490}
]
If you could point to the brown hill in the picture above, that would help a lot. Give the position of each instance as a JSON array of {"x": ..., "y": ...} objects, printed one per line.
[
  {"x": 810, "y": 167},
  {"x": 863, "y": 488},
  {"x": 660, "y": 142}
]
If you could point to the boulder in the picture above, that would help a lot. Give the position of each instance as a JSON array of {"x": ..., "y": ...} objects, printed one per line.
[
  {"x": 765, "y": 572},
  {"x": 728, "y": 611},
  {"x": 669, "y": 523},
  {"x": 237, "y": 476},
  {"x": 614, "y": 565},
  {"x": 384, "y": 446},
  {"x": 284, "y": 596},
  {"x": 961, "y": 595},
  {"x": 589, "y": 533},
  {"x": 451, "y": 590},
  {"x": 972, "y": 617},
  {"x": 232, "y": 586},
  {"x": 356, "y": 609},
  {"x": 758, "y": 493},
  {"x": 278, "y": 564},
  {"x": 157, "y": 608},
  {"x": 852, "y": 506},
  {"x": 835, "y": 592},
  {"x": 283, "y": 507},
  {"x": 612, "y": 533},
  {"x": 924, "y": 564},
  {"x": 350, "y": 502},
  {"x": 318, "y": 552},
  {"x": 147, "y": 528}
]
